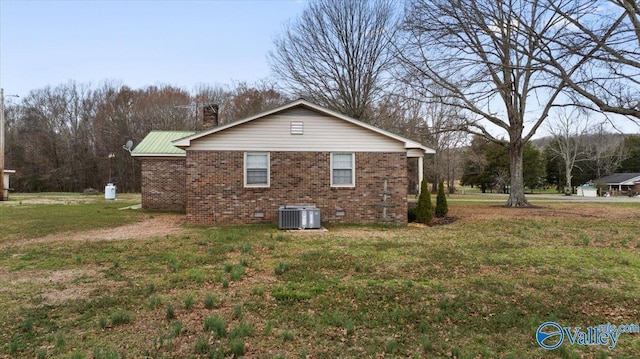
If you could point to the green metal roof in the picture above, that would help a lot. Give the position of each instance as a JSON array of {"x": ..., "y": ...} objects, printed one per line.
[{"x": 158, "y": 143}]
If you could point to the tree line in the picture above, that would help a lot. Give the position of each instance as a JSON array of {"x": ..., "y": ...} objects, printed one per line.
[
  {"x": 435, "y": 71},
  {"x": 70, "y": 137},
  {"x": 597, "y": 154}
]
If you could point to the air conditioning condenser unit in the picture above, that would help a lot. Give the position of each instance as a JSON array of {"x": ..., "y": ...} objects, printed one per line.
[{"x": 298, "y": 217}]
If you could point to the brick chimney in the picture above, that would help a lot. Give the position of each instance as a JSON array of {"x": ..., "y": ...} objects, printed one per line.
[{"x": 209, "y": 116}]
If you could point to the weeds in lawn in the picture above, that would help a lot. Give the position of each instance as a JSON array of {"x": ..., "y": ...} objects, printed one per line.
[
  {"x": 237, "y": 347},
  {"x": 246, "y": 248},
  {"x": 154, "y": 302},
  {"x": 61, "y": 342},
  {"x": 14, "y": 345},
  {"x": 426, "y": 344},
  {"x": 210, "y": 301},
  {"x": 196, "y": 275},
  {"x": 216, "y": 325},
  {"x": 171, "y": 312},
  {"x": 281, "y": 268},
  {"x": 105, "y": 353},
  {"x": 257, "y": 291},
  {"x": 287, "y": 335},
  {"x": 237, "y": 311},
  {"x": 268, "y": 328},
  {"x": 188, "y": 302},
  {"x": 27, "y": 325},
  {"x": 120, "y": 317},
  {"x": 236, "y": 273},
  {"x": 391, "y": 346},
  {"x": 244, "y": 329},
  {"x": 202, "y": 345},
  {"x": 219, "y": 277},
  {"x": 585, "y": 239},
  {"x": 102, "y": 322},
  {"x": 173, "y": 264},
  {"x": 176, "y": 328},
  {"x": 151, "y": 288}
]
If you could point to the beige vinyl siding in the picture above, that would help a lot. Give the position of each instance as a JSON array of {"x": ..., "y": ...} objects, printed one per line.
[{"x": 321, "y": 133}]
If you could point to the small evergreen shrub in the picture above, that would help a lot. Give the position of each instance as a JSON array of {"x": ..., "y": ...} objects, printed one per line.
[
  {"x": 424, "y": 209},
  {"x": 441, "y": 202}
]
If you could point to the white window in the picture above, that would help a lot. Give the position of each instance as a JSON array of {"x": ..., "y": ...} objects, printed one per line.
[
  {"x": 342, "y": 170},
  {"x": 256, "y": 169}
]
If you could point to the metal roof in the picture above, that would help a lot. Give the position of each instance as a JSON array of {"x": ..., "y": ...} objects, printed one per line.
[
  {"x": 159, "y": 143},
  {"x": 619, "y": 178}
]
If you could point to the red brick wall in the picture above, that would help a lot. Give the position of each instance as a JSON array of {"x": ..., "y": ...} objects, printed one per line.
[
  {"x": 163, "y": 184},
  {"x": 216, "y": 193}
]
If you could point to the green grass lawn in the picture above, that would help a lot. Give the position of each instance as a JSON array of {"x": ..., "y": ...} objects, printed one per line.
[
  {"x": 36, "y": 215},
  {"x": 476, "y": 288}
]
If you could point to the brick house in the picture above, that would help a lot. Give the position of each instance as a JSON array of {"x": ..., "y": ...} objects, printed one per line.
[
  {"x": 163, "y": 170},
  {"x": 299, "y": 153}
]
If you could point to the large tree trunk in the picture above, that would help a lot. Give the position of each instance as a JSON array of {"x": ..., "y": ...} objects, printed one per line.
[
  {"x": 568, "y": 175},
  {"x": 516, "y": 194}
]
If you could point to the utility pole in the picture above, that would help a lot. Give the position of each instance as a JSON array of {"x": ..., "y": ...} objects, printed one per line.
[
  {"x": 2, "y": 144},
  {"x": 2, "y": 198}
]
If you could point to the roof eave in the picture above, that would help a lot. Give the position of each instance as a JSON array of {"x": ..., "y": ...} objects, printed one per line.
[{"x": 158, "y": 155}]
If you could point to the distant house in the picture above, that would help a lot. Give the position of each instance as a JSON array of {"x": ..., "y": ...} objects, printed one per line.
[
  {"x": 299, "y": 153},
  {"x": 621, "y": 182}
]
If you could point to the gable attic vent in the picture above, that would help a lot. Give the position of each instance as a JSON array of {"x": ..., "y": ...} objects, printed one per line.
[{"x": 297, "y": 127}]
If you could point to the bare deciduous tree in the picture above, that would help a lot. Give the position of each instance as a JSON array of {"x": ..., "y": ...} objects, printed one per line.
[
  {"x": 568, "y": 132},
  {"x": 484, "y": 56},
  {"x": 604, "y": 41},
  {"x": 605, "y": 151},
  {"x": 447, "y": 140},
  {"x": 338, "y": 53}
]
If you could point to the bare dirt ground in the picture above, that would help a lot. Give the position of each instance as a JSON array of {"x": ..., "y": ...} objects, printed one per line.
[
  {"x": 159, "y": 225},
  {"x": 60, "y": 285}
]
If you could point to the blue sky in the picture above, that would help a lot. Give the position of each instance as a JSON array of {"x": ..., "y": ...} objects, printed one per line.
[{"x": 137, "y": 43}]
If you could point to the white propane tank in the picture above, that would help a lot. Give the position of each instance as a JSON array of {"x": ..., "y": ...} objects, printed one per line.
[{"x": 110, "y": 191}]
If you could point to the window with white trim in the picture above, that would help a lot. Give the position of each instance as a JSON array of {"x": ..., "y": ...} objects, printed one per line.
[
  {"x": 342, "y": 170},
  {"x": 256, "y": 169}
]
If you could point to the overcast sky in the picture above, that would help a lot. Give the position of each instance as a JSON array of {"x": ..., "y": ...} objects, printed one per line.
[{"x": 138, "y": 43}]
